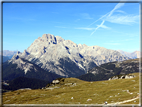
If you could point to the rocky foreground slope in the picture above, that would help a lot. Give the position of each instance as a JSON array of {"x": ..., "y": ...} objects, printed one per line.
[{"x": 64, "y": 57}]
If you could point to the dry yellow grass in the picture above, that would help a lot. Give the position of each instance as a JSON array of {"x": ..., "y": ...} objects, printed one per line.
[{"x": 98, "y": 92}]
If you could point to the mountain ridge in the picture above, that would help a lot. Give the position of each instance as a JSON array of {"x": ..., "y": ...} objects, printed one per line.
[
  {"x": 52, "y": 53},
  {"x": 11, "y": 70},
  {"x": 132, "y": 55},
  {"x": 108, "y": 70},
  {"x": 8, "y": 53}
]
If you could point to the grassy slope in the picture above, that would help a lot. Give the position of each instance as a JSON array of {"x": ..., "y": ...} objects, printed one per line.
[{"x": 111, "y": 91}]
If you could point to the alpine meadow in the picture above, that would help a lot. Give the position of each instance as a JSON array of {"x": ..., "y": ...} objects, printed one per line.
[{"x": 71, "y": 54}]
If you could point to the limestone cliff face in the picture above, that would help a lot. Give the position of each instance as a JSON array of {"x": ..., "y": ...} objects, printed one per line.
[{"x": 66, "y": 58}]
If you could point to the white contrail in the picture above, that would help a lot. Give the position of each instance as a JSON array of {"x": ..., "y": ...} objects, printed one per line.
[
  {"x": 106, "y": 15},
  {"x": 101, "y": 25},
  {"x": 98, "y": 19},
  {"x": 116, "y": 7}
]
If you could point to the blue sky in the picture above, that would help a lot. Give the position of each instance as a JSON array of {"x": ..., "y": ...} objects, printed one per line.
[{"x": 110, "y": 25}]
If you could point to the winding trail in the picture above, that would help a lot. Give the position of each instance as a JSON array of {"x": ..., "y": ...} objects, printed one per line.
[{"x": 125, "y": 101}]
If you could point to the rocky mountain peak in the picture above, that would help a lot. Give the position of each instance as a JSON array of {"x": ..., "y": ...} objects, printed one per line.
[
  {"x": 84, "y": 45},
  {"x": 59, "y": 39},
  {"x": 66, "y": 58},
  {"x": 16, "y": 59},
  {"x": 18, "y": 52},
  {"x": 69, "y": 43},
  {"x": 52, "y": 38},
  {"x": 49, "y": 37},
  {"x": 137, "y": 54},
  {"x": 25, "y": 51}
]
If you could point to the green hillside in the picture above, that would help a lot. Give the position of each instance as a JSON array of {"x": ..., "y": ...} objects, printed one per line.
[{"x": 75, "y": 91}]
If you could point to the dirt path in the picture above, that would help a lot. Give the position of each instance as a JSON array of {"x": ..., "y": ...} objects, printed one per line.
[{"x": 124, "y": 101}]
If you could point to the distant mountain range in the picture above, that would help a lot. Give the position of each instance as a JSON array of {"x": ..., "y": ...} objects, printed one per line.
[
  {"x": 8, "y": 53},
  {"x": 133, "y": 55},
  {"x": 5, "y": 58}
]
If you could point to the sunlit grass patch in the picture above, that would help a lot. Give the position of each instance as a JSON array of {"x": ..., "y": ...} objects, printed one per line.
[{"x": 82, "y": 93}]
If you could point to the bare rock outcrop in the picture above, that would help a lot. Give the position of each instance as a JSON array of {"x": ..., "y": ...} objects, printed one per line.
[
  {"x": 128, "y": 76},
  {"x": 66, "y": 58}
]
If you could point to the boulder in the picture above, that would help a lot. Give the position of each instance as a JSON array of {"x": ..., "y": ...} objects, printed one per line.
[{"x": 55, "y": 81}]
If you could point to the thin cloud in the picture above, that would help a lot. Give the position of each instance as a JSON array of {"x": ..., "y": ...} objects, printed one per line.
[
  {"x": 106, "y": 15},
  {"x": 120, "y": 19},
  {"x": 120, "y": 11},
  {"x": 98, "y": 26},
  {"x": 105, "y": 27},
  {"x": 109, "y": 13},
  {"x": 86, "y": 16},
  {"x": 116, "y": 7},
  {"x": 98, "y": 19},
  {"x": 117, "y": 18},
  {"x": 101, "y": 25}
]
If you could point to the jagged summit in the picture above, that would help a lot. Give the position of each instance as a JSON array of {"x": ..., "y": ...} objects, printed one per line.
[
  {"x": 49, "y": 37},
  {"x": 18, "y": 52},
  {"x": 66, "y": 58}
]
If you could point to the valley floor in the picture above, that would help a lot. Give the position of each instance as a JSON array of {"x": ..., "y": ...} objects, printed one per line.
[{"x": 75, "y": 91}]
